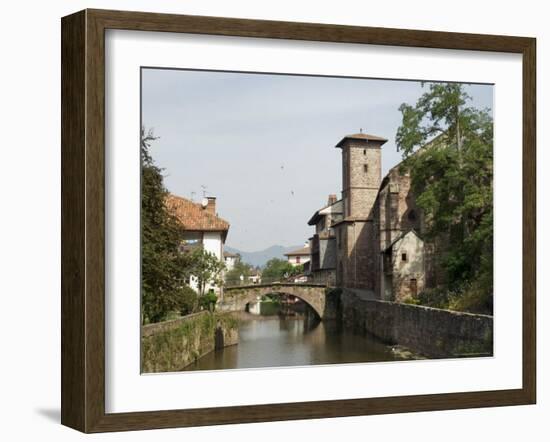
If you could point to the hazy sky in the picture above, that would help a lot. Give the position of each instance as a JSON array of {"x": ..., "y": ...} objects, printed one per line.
[{"x": 264, "y": 144}]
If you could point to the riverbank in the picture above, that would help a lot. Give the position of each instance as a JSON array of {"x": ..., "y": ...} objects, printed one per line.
[
  {"x": 173, "y": 345},
  {"x": 431, "y": 332}
]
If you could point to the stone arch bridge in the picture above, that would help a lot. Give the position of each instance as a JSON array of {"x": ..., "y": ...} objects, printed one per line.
[{"x": 236, "y": 298}]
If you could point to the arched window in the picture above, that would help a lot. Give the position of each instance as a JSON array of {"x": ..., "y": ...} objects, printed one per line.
[{"x": 411, "y": 216}]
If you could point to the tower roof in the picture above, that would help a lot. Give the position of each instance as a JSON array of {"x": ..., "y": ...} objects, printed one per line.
[{"x": 361, "y": 137}]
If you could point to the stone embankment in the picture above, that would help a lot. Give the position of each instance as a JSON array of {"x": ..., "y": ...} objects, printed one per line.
[
  {"x": 434, "y": 333},
  {"x": 173, "y": 345}
]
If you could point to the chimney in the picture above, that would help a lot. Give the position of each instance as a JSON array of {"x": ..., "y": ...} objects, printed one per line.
[
  {"x": 211, "y": 206},
  {"x": 332, "y": 199}
]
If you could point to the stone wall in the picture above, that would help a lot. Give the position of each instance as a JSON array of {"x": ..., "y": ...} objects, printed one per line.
[
  {"x": 431, "y": 332},
  {"x": 327, "y": 253},
  {"x": 173, "y": 345},
  {"x": 357, "y": 260},
  {"x": 324, "y": 276}
]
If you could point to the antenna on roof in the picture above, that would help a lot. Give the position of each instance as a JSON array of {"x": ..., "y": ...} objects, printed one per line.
[
  {"x": 203, "y": 187},
  {"x": 360, "y": 130},
  {"x": 193, "y": 193}
]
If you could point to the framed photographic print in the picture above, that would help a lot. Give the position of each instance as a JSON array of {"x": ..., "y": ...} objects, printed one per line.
[{"x": 269, "y": 220}]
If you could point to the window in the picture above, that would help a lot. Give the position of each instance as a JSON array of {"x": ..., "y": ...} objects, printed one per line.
[
  {"x": 297, "y": 260},
  {"x": 366, "y": 167},
  {"x": 412, "y": 216},
  {"x": 364, "y": 151},
  {"x": 403, "y": 256}
]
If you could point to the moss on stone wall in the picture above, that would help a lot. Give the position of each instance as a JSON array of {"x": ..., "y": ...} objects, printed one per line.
[{"x": 172, "y": 345}]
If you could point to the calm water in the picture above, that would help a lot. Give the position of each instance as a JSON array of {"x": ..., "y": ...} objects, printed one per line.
[{"x": 277, "y": 342}]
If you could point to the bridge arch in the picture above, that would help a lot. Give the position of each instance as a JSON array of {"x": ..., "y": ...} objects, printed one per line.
[{"x": 236, "y": 298}]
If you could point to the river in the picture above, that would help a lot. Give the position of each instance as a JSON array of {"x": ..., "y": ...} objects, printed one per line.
[{"x": 278, "y": 341}]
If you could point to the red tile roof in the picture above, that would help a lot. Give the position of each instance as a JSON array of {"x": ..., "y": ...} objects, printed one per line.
[{"x": 193, "y": 216}]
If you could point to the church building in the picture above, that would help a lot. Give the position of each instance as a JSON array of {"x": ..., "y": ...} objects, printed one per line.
[{"x": 379, "y": 245}]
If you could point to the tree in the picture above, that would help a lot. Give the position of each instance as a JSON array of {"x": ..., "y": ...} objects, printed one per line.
[
  {"x": 276, "y": 269},
  {"x": 163, "y": 268},
  {"x": 188, "y": 301},
  {"x": 207, "y": 268},
  {"x": 448, "y": 149},
  {"x": 243, "y": 269}
]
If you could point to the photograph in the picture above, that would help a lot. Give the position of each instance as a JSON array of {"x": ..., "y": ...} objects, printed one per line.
[{"x": 301, "y": 220}]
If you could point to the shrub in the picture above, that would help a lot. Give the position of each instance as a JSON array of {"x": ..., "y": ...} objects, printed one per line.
[
  {"x": 411, "y": 300},
  {"x": 208, "y": 301},
  {"x": 188, "y": 300},
  {"x": 437, "y": 297},
  {"x": 473, "y": 297}
]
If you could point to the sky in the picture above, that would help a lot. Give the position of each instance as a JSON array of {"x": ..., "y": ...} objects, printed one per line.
[{"x": 263, "y": 144}]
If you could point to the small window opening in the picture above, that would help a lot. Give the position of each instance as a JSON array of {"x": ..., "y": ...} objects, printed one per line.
[
  {"x": 364, "y": 151},
  {"x": 366, "y": 167},
  {"x": 403, "y": 256}
]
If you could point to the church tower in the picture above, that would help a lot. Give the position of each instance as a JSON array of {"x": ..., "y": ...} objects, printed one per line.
[
  {"x": 357, "y": 254},
  {"x": 361, "y": 173}
]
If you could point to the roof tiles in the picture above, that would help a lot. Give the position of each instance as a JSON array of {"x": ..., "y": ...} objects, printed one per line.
[{"x": 192, "y": 216}]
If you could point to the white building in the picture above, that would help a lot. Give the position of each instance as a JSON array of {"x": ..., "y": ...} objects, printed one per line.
[
  {"x": 202, "y": 228},
  {"x": 230, "y": 259},
  {"x": 299, "y": 256}
]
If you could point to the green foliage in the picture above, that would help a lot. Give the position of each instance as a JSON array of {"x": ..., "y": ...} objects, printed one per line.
[
  {"x": 206, "y": 267},
  {"x": 188, "y": 301},
  {"x": 452, "y": 177},
  {"x": 411, "y": 300},
  {"x": 163, "y": 268},
  {"x": 208, "y": 301},
  {"x": 270, "y": 306},
  {"x": 470, "y": 296},
  {"x": 438, "y": 297},
  {"x": 276, "y": 269},
  {"x": 233, "y": 276}
]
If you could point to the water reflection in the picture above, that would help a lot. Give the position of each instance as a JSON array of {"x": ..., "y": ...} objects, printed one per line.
[{"x": 289, "y": 341}]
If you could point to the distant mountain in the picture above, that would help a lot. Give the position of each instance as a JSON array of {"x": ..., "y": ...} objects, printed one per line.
[{"x": 260, "y": 257}]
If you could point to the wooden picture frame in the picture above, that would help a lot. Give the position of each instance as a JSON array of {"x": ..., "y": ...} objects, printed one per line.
[{"x": 83, "y": 220}]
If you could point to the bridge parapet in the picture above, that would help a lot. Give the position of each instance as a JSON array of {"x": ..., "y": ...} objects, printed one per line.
[{"x": 274, "y": 284}]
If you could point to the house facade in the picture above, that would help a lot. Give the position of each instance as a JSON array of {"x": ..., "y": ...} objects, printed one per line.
[
  {"x": 202, "y": 227},
  {"x": 299, "y": 256},
  {"x": 323, "y": 243}
]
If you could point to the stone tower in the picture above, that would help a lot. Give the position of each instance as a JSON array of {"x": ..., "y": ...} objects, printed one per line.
[
  {"x": 357, "y": 260},
  {"x": 361, "y": 173}
]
